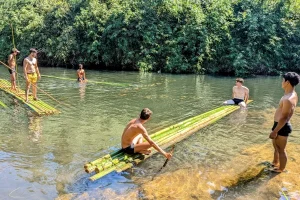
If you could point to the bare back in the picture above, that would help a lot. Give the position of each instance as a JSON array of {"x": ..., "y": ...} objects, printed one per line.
[
  {"x": 133, "y": 128},
  {"x": 291, "y": 98},
  {"x": 11, "y": 61}
]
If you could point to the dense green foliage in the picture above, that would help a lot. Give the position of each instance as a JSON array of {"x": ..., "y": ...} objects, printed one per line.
[{"x": 235, "y": 37}]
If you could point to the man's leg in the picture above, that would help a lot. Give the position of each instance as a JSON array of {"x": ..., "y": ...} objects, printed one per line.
[
  {"x": 143, "y": 147},
  {"x": 27, "y": 91},
  {"x": 228, "y": 102},
  {"x": 281, "y": 142},
  {"x": 13, "y": 81},
  {"x": 34, "y": 89},
  {"x": 243, "y": 104},
  {"x": 275, "y": 162}
]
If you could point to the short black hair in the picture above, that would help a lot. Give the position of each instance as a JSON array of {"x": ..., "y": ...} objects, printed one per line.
[
  {"x": 145, "y": 114},
  {"x": 292, "y": 77},
  {"x": 33, "y": 50}
]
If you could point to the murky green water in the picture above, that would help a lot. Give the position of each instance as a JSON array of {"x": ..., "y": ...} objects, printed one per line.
[{"x": 43, "y": 157}]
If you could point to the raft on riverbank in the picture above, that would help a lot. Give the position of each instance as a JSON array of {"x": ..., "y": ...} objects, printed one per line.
[{"x": 119, "y": 161}]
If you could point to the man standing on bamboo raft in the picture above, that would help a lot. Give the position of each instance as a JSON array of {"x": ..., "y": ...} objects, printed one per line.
[
  {"x": 31, "y": 73},
  {"x": 12, "y": 65},
  {"x": 133, "y": 134},
  {"x": 240, "y": 94},
  {"x": 282, "y": 126}
]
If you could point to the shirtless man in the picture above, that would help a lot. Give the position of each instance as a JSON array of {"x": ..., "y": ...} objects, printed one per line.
[
  {"x": 12, "y": 65},
  {"x": 282, "y": 126},
  {"x": 80, "y": 74},
  {"x": 31, "y": 73},
  {"x": 133, "y": 134},
  {"x": 240, "y": 94}
]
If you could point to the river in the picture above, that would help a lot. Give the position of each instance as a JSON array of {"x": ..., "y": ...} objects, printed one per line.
[{"x": 43, "y": 157}]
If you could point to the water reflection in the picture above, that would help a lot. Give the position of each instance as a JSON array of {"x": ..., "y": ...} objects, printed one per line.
[
  {"x": 82, "y": 87},
  {"x": 58, "y": 146},
  {"x": 35, "y": 128}
]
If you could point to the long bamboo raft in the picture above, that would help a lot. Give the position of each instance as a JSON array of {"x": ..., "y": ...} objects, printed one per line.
[
  {"x": 38, "y": 107},
  {"x": 90, "y": 81},
  {"x": 2, "y": 104},
  {"x": 119, "y": 161}
]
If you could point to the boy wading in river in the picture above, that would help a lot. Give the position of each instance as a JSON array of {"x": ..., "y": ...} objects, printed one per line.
[
  {"x": 133, "y": 134},
  {"x": 282, "y": 126}
]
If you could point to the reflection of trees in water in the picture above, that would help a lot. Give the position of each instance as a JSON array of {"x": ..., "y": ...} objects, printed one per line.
[{"x": 35, "y": 128}]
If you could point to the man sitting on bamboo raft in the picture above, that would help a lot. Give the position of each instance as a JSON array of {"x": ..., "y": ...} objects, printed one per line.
[
  {"x": 133, "y": 134},
  {"x": 31, "y": 73},
  {"x": 12, "y": 67},
  {"x": 240, "y": 94}
]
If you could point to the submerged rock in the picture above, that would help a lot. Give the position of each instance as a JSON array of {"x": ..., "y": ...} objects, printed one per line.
[{"x": 204, "y": 183}]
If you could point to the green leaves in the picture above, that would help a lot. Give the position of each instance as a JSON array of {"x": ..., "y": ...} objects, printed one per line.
[{"x": 217, "y": 36}]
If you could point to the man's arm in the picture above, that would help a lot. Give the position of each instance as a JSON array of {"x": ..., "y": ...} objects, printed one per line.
[
  {"x": 286, "y": 110},
  {"x": 37, "y": 70},
  {"x": 233, "y": 93},
  {"x": 246, "y": 95},
  {"x": 25, "y": 69},
  {"x": 84, "y": 74},
  {"x": 152, "y": 143}
]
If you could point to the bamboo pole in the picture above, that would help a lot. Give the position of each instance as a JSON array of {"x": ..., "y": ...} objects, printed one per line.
[
  {"x": 189, "y": 127},
  {"x": 90, "y": 81},
  {"x": 2, "y": 104},
  {"x": 13, "y": 40},
  {"x": 51, "y": 97},
  {"x": 36, "y": 106}
]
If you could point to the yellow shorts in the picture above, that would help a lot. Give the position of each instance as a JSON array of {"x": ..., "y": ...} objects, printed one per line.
[{"x": 32, "y": 78}]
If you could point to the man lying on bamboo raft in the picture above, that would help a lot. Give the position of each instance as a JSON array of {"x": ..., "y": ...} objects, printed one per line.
[
  {"x": 240, "y": 94},
  {"x": 133, "y": 134}
]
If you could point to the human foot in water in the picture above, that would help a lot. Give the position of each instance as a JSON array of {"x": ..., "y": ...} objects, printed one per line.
[{"x": 276, "y": 170}]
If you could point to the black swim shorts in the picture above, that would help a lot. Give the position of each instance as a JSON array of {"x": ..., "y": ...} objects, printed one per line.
[
  {"x": 129, "y": 150},
  {"x": 237, "y": 101},
  {"x": 285, "y": 130},
  {"x": 11, "y": 71}
]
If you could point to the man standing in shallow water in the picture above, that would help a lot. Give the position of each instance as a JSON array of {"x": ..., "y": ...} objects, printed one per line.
[
  {"x": 133, "y": 134},
  {"x": 240, "y": 94},
  {"x": 282, "y": 126}
]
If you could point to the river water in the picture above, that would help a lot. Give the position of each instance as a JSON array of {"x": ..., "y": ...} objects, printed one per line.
[{"x": 43, "y": 157}]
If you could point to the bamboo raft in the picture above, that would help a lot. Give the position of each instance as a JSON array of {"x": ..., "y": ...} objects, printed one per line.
[
  {"x": 38, "y": 107},
  {"x": 90, "y": 81},
  {"x": 2, "y": 104},
  {"x": 119, "y": 161}
]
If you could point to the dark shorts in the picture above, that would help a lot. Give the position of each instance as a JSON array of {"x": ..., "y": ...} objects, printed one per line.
[
  {"x": 79, "y": 79},
  {"x": 285, "y": 130},
  {"x": 237, "y": 101},
  {"x": 129, "y": 150},
  {"x": 11, "y": 71}
]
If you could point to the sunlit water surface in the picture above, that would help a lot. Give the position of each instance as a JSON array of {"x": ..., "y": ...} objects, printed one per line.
[{"x": 43, "y": 157}]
